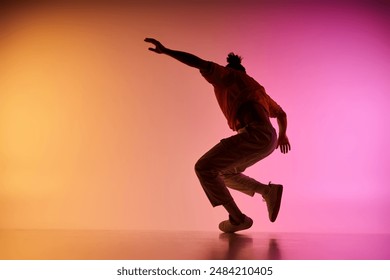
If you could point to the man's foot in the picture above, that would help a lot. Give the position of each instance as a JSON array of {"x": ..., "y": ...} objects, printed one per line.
[
  {"x": 273, "y": 199},
  {"x": 230, "y": 226}
]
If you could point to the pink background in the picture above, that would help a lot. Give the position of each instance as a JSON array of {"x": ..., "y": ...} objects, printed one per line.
[{"x": 96, "y": 132}]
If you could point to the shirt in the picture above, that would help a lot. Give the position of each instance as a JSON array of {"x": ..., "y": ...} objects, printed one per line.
[{"x": 233, "y": 88}]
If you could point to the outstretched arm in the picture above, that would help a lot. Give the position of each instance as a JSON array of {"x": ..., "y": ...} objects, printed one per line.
[
  {"x": 283, "y": 141},
  {"x": 186, "y": 58}
]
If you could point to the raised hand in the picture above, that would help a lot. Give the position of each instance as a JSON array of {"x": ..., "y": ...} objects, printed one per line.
[{"x": 159, "y": 48}]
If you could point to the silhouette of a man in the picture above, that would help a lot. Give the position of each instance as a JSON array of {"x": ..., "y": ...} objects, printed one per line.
[{"x": 248, "y": 109}]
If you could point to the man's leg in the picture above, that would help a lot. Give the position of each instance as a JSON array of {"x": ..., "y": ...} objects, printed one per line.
[
  {"x": 234, "y": 153},
  {"x": 234, "y": 179},
  {"x": 263, "y": 143},
  {"x": 209, "y": 168},
  {"x": 271, "y": 193},
  {"x": 245, "y": 184}
]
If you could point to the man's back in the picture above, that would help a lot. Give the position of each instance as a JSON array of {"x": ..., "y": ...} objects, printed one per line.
[{"x": 233, "y": 88}]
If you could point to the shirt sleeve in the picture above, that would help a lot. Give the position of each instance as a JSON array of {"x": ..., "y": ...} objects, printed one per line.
[
  {"x": 216, "y": 74},
  {"x": 274, "y": 108}
]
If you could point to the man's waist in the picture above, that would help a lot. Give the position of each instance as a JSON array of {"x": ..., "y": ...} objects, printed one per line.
[{"x": 249, "y": 113}]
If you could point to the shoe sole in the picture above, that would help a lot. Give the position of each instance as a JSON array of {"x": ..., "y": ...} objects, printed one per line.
[
  {"x": 236, "y": 228},
  {"x": 277, "y": 205}
]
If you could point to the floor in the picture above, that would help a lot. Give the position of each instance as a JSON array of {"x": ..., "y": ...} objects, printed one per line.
[{"x": 183, "y": 245}]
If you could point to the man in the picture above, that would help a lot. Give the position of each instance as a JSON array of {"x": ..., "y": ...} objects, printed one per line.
[{"x": 247, "y": 109}]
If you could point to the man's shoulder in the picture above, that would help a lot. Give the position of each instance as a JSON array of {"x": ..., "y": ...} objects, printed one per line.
[{"x": 213, "y": 68}]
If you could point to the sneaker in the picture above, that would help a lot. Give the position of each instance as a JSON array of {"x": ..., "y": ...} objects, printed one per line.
[
  {"x": 273, "y": 199},
  {"x": 229, "y": 227}
]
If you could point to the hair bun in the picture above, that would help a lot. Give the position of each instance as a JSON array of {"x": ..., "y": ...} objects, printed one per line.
[{"x": 234, "y": 59}]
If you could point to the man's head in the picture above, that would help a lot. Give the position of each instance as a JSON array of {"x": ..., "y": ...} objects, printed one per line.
[{"x": 234, "y": 61}]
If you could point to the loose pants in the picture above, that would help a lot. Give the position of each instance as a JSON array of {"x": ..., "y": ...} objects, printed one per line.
[{"x": 222, "y": 166}]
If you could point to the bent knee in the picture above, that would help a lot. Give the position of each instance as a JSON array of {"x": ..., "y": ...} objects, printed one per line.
[
  {"x": 199, "y": 166},
  {"x": 203, "y": 166}
]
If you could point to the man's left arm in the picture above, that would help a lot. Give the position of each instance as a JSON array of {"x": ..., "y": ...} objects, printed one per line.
[{"x": 283, "y": 141}]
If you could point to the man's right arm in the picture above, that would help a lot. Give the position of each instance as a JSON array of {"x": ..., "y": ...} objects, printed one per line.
[{"x": 186, "y": 58}]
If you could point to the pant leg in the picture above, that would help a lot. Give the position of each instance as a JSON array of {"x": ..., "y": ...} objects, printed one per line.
[
  {"x": 232, "y": 156},
  {"x": 241, "y": 182},
  {"x": 234, "y": 178}
]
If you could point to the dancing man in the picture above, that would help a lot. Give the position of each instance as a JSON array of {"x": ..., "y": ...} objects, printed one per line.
[{"x": 248, "y": 109}]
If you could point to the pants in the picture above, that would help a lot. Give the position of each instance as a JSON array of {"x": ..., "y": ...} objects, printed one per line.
[{"x": 222, "y": 166}]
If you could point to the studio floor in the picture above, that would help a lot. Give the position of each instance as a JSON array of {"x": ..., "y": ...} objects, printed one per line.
[{"x": 189, "y": 245}]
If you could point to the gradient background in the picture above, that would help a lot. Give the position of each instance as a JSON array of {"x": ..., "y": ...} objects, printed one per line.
[{"x": 96, "y": 132}]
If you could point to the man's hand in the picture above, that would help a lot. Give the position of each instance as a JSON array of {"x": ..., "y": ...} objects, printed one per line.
[
  {"x": 284, "y": 144},
  {"x": 184, "y": 57},
  {"x": 159, "y": 48}
]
